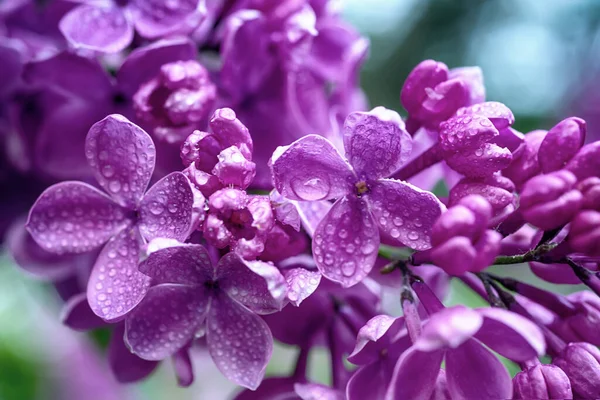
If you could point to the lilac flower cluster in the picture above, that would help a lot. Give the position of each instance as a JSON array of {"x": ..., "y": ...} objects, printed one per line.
[{"x": 207, "y": 175}]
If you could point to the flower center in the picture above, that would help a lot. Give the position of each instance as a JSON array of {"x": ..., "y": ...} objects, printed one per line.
[
  {"x": 211, "y": 285},
  {"x": 361, "y": 188}
]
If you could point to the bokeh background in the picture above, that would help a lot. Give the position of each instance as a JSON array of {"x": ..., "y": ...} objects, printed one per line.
[{"x": 540, "y": 57}]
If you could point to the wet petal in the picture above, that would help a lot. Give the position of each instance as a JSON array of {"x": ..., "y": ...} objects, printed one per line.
[
  {"x": 126, "y": 366},
  {"x": 376, "y": 142},
  {"x": 104, "y": 29},
  {"x": 301, "y": 283},
  {"x": 311, "y": 169},
  {"x": 166, "y": 320},
  {"x": 166, "y": 209},
  {"x": 317, "y": 391},
  {"x": 409, "y": 382},
  {"x": 186, "y": 264},
  {"x": 510, "y": 335},
  {"x": 116, "y": 286},
  {"x": 74, "y": 217},
  {"x": 346, "y": 242},
  {"x": 312, "y": 213},
  {"x": 77, "y": 314},
  {"x": 255, "y": 284},
  {"x": 155, "y": 18},
  {"x": 473, "y": 372},
  {"x": 370, "y": 381},
  {"x": 122, "y": 156},
  {"x": 375, "y": 336},
  {"x": 240, "y": 342},
  {"x": 449, "y": 328},
  {"x": 404, "y": 213},
  {"x": 561, "y": 143}
]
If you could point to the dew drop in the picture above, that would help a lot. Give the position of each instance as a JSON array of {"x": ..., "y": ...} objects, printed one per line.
[{"x": 348, "y": 268}]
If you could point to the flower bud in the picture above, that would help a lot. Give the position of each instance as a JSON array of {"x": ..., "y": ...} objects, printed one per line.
[
  {"x": 496, "y": 190},
  {"x": 586, "y": 162},
  {"x": 542, "y": 382},
  {"x": 206, "y": 183},
  {"x": 473, "y": 78},
  {"x": 590, "y": 189},
  {"x": 525, "y": 164},
  {"x": 550, "y": 201},
  {"x": 561, "y": 143},
  {"x": 234, "y": 169},
  {"x": 584, "y": 236},
  {"x": 176, "y": 101},
  {"x": 581, "y": 363}
]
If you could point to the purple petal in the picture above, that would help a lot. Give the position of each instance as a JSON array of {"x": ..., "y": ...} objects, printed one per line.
[
  {"x": 274, "y": 388},
  {"x": 375, "y": 336},
  {"x": 554, "y": 273},
  {"x": 116, "y": 286},
  {"x": 376, "y": 142},
  {"x": 166, "y": 320},
  {"x": 473, "y": 372},
  {"x": 413, "y": 383},
  {"x": 482, "y": 162},
  {"x": 185, "y": 264},
  {"x": 420, "y": 81},
  {"x": 346, "y": 242},
  {"x": 255, "y": 284},
  {"x": 525, "y": 162},
  {"x": 317, "y": 391},
  {"x": 404, "y": 213},
  {"x": 74, "y": 217},
  {"x": 122, "y": 156},
  {"x": 586, "y": 162},
  {"x": 240, "y": 342},
  {"x": 184, "y": 369},
  {"x": 561, "y": 143},
  {"x": 156, "y": 18},
  {"x": 370, "y": 381},
  {"x": 497, "y": 113},
  {"x": 77, "y": 314},
  {"x": 301, "y": 283},
  {"x": 97, "y": 28},
  {"x": 510, "y": 335},
  {"x": 449, "y": 328},
  {"x": 312, "y": 213},
  {"x": 126, "y": 366},
  {"x": 166, "y": 209},
  {"x": 144, "y": 63},
  {"x": 311, "y": 169}
]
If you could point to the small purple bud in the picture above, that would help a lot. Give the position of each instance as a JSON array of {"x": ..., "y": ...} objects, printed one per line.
[
  {"x": 586, "y": 162},
  {"x": 234, "y": 169},
  {"x": 581, "y": 362},
  {"x": 498, "y": 114},
  {"x": 443, "y": 101},
  {"x": 590, "y": 189},
  {"x": 206, "y": 183},
  {"x": 423, "y": 78},
  {"x": 561, "y": 143},
  {"x": 584, "y": 236},
  {"x": 176, "y": 101},
  {"x": 525, "y": 163},
  {"x": 549, "y": 201},
  {"x": 542, "y": 381},
  {"x": 496, "y": 189},
  {"x": 473, "y": 77}
]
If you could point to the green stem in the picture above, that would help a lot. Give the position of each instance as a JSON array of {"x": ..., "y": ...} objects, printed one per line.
[{"x": 532, "y": 255}]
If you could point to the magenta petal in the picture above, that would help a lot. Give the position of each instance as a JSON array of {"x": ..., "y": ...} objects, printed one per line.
[
  {"x": 166, "y": 320},
  {"x": 126, "y": 366},
  {"x": 301, "y": 283},
  {"x": 182, "y": 363},
  {"x": 561, "y": 143},
  {"x": 449, "y": 328},
  {"x": 412, "y": 382},
  {"x": 77, "y": 314},
  {"x": 346, "y": 242},
  {"x": 586, "y": 162},
  {"x": 312, "y": 213},
  {"x": 74, "y": 217},
  {"x": 376, "y": 142},
  {"x": 156, "y": 18},
  {"x": 317, "y": 391},
  {"x": 473, "y": 372},
  {"x": 166, "y": 209},
  {"x": 404, "y": 213},
  {"x": 311, "y": 169},
  {"x": 122, "y": 156},
  {"x": 370, "y": 381},
  {"x": 116, "y": 286},
  {"x": 373, "y": 337},
  {"x": 255, "y": 284},
  {"x": 510, "y": 335},
  {"x": 97, "y": 28},
  {"x": 240, "y": 342},
  {"x": 186, "y": 264}
]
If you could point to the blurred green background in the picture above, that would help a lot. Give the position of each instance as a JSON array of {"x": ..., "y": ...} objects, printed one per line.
[{"x": 540, "y": 57}]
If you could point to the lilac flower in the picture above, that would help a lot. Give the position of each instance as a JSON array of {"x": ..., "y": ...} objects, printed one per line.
[
  {"x": 460, "y": 238},
  {"x": 176, "y": 101},
  {"x": 457, "y": 335},
  {"x": 561, "y": 143},
  {"x": 74, "y": 217},
  {"x": 472, "y": 140},
  {"x": 586, "y": 162},
  {"x": 346, "y": 241},
  {"x": 189, "y": 295},
  {"x": 108, "y": 25},
  {"x": 590, "y": 190},
  {"x": 584, "y": 235},
  {"x": 581, "y": 363},
  {"x": 525, "y": 164},
  {"x": 542, "y": 382},
  {"x": 549, "y": 201}
]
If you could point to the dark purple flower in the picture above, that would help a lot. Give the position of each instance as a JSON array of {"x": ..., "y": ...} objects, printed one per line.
[
  {"x": 581, "y": 363},
  {"x": 176, "y": 101},
  {"x": 542, "y": 382},
  {"x": 549, "y": 201},
  {"x": 460, "y": 238},
  {"x": 346, "y": 241},
  {"x": 190, "y": 295},
  {"x": 108, "y": 25},
  {"x": 457, "y": 335},
  {"x": 74, "y": 217}
]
